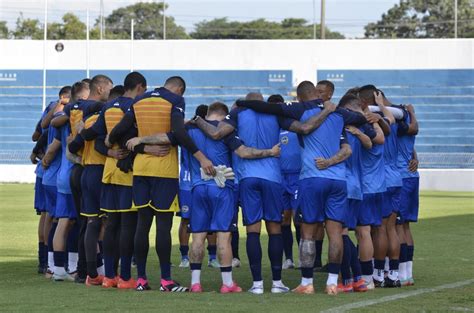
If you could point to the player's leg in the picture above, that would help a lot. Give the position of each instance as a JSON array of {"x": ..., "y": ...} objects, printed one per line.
[
  {"x": 142, "y": 245},
  {"x": 72, "y": 246},
  {"x": 91, "y": 238},
  {"x": 128, "y": 227},
  {"x": 59, "y": 246},
  {"x": 334, "y": 232},
  {"x": 364, "y": 239},
  {"x": 410, "y": 252},
  {"x": 287, "y": 236},
  {"x": 184, "y": 241},
  {"x": 164, "y": 222},
  {"x": 50, "y": 225},
  {"x": 196, "y": 257},
  {"x": 212, "y": 250},
  {"x": 346, "y": 274},
  {"x": 111, "y": 248},
  {"x": 392, "y": 279},
  {"x": 412, "y": 217},
  {"x": 42, "y": 255},
  {"x": 235, "y": 230},
  {"x": 307, "y": 252},
  {"x": 380, "y": 251},
  {"x": 358, "y": 284},
  {"x": 319, "y": 239}
]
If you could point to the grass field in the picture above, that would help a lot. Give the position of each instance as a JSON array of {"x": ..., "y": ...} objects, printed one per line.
[{"x": 444, "y": 254}]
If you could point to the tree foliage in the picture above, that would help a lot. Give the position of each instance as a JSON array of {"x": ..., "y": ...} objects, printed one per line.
[
  {"x": 28, "y": 28},
  {"x": 71, "y": 28},
  {"x": 3, "y": 30},
  {"x": 424, "y": 19}
]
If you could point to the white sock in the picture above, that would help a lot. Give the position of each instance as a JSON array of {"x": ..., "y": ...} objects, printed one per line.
[
  {"x": 409, "y": 269},
  {"x": 378, "y": 275},
  {"x": 258, "y": 284},
  {"x": 393, "y": 275},
  {"x": 332, "y": 279},
  {"x": 306, "y": 281},
  {"x": 195, "y": 277},
  {"x": 72, "y": 258},
  {"x": 59, "y": 270},
  {"x": 101, "y": 270},
  {"x": 227, "y": 278},
  {"x": 402, "y": 271},
  {"x": 51, "y": 260},
  {"x": 387, "y": 265},
  {"x": 368, "y": 278}
]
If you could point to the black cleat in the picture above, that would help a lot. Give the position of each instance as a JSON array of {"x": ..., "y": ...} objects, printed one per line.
[
  {"x": 389, "y": 283},
  {"x": 379, "y": 284},
  {"x": 142, "y": 285},
  {"x": 173, "y": 287},
  {"x": 42, "y": 269},
  {"x": 79, "y": 280}
]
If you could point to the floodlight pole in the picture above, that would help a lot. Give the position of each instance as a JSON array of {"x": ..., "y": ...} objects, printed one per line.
[
  {"x": 45, "y": 38},
  {"x": 132, "y": 37},
  {"x": 101, "y": 19},
  {"x": 323, "y": 19},
  {"x": 314, "y": 19},
  {"x": 164, "y": 21},
  {"x": 87, "y": 43},
  {"x": 455, "y": 18}
]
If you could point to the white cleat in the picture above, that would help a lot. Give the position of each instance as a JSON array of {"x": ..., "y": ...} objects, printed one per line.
[
  {"x": 184, "y": 263},
  {"x": 63, "y": 277},
  {"x": 371, "y": 285},
  {"x": 235, "y": 262},
  {"x": 256, "y": 290},
  {"x": 288, "y": 264},
  {"x": 280, "y": 288},
  {"x": 213, "y": 263}
]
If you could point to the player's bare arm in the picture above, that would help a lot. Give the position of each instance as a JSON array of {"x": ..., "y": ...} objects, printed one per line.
[
  {"x": 216, "y": 133},
  {"x": 379, "y": 139},
  {"x": 413, "y": 127},
  {"x": 363, "y": 138},
  {"x": 375, "y": 118},
  {"x": 252, "y": 153},
  {"x": 156, "y": 139},
  {"x": 314, "y": 122},
  {"x": 51, "y": 152},
  {"x": 344, "y": 152},
  {"x": 379, "y": 100}
]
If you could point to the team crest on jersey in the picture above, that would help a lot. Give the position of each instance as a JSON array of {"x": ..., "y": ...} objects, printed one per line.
[
  {"x": 116, "y": 104},
  {"x": 227, "y": 117},
  {"x": 185, "y": 209},
  {"x": 284, "y": 140},
  {"x": 155, "y": 94}
]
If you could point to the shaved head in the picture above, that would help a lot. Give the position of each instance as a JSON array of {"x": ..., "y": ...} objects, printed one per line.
[{"x": 254, "y": 96}]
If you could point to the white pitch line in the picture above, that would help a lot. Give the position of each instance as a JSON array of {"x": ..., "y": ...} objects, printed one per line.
[{"x": 361, "y": 304}]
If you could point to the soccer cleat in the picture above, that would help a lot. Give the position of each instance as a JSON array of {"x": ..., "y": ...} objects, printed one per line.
[
  {"x": 331, "y": 290},
  {"x": 172, "y": 286},
  {"x": 235, "y": 262},
  {"x": 360, "y": 286},
  {"x": 63, "y": 277},
  {"x": 142, "y": 285},
  {"x": 256, "y": 290},
  {"x": 41, "y": 269},
  {"x": 213, "y": 263},
  {"x": 288, "y": 264},
  {"x": 48, "y": 274},
  {"x": 345, "y": 288},
  {"x": 379, "y": 284},
  {"x": 184, "y": 263},
  {"x": 196, "y": 288},
  {"x": 280, "y": 288},
  {"x": 126, "y": 284},
  {"x": 94, "y": 281},
  {"x": 371, "y": 286},
  {"x": 407, "y": 282},
  {"x": 304, "y": 290},
  {"x": 230, "y": 289},
  {"x": 390, "y": 283},
  {"x": 110, "y": 282},
  {"x": 79, "y": 280}
]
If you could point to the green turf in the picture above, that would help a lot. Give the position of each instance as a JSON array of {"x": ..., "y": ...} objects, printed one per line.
[{"x": 444, "y": 254}]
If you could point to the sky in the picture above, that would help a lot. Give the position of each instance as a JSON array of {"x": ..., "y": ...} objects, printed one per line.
[{"x": 346, "y": 16}]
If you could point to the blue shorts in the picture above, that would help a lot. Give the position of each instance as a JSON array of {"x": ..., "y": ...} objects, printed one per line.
[
  {"x": 116, "y": 198},
  {"x": 353, "y": 208},
  {"x": 290, "y": 183},
  {"x": 39, "y": 196},
  {"x": 322, "y": 199},
  {"x": 213, "y": 209},
  {"x": 409, "y": 200},
  {"x": 91, "y": 187},
  {"x": 370, "y": 213},
  {"x": 50, "y": 195},
  {"x": 65, "y": 207},
  {"x": 391, "y": 201},
  {"x": 161, "y": 194},
  {"x": 260, "y": 199},
  {"x": 185, "y": 200}
]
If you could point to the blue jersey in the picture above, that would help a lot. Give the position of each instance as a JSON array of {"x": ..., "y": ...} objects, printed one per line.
[
  {"x": 261, "y": 131},
  {"x": 50, "y": 174},
  {"x": 406, "y": 146},
  {"x": 290, "y": 156},
  {"x": 353, "y": 163},
  {"x": 219, "y": 152},
  {"x": 39, "y": 171},
  {"x": 390, "y": 154},
  {"x": 64, "y": 173},
  {"x": 373, "y": 170},
  {"x": 184, "y": 170}
]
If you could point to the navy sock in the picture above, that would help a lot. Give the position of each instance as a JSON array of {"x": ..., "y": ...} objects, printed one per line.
[
  {"x": 212, "y": 251},
  {"x": 275, "y": 254},
  {"x": 100, "y": 261},
  {"x": 307, "y": 272},
  {"x": 41, "y": 254},
  {"x": 101, "y": 247},
  {"x": 254, "y": 253},
  {"x": 379, "y": 264},
  {"x": 184, "y": 251},
  {"x": 51, "y": 236},
  {"x": 226, "y": 269},
  {"x": 319, "y": 250},
  {"x": 346, "y": 259},
  {"x": 165, "y": 271},
  {"x": 287, "y": 235},
  {"x": 59, "y": 257},
  {"x": 195, "y": 266},
  {"x": 403, "y": 253},
  {"x": 367, "y": 267},
  {"x": 334, "y": 268},
  {"x": 393, "y": 265},
  {"x": 109, "y": 264},
  {"x": 73, "y": 239},
  {"x": 298, "y": 233},
  {"x": 235, "y": 244},
  {"x": 355, "y": 264},
  {"x": 125, "y": 265},
  {"x": 141, "y": 267},
  {"x": 410, "y": 252}
]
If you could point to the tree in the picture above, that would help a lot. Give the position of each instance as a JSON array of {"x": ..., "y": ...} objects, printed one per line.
[
  {"x": 148, "y": 23},
  {"x": 3, "y": 30},
  {"x": 28, "y": 28},
  {"x": 424, "y": 19},
  {"x": 291, "y": 28}
]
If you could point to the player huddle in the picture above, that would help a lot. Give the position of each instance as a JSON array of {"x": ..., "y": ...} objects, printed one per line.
[{"x": 108, "y": 163}]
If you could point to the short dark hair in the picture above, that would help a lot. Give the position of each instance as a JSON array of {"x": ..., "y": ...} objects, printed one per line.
[
  {"x": 304, "y": 88},
  {"x": 254, "y": 96},
  {"x": 275, "y": 99},
  {"x": 132, "y": 80},
  {"x": 327, "y": 83},
  {"x": 177, "y": 81},
  {"x": 78, "y": 87},
  {"x": 218, "y": 107},
  {"x": 347, "y": 99},
  {"x": 86, "y": 80},
  {"x": 116, "y": 92},
  {"x": 65, "y": 90},
  {"x": 98, "y": 80},
  {"x": 353, "y": 91},
  {"x": 201, "y": 110},
  {"x": 366, "y": 93}
]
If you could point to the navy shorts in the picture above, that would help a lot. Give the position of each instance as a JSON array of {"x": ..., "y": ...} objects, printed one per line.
[
  {"x": 391, "y": 201},
  {"x": 116, "y": 198},
  {"x": 91, "y": 186},
  {"x": 40, "y": 205},
  {"x": 161, "y": 194},
  {"x": 260, "y": 199},
  {"x": 409, "y": 200},
  {"x": 370, "y": 212},
  {"x": 353, "y": 208},
  {"x": 65, "y": 207},
  {"x": 50, "y": 195},
  {"x": 290, "y": 184},
  {"x": 185, "y": 200},
  {"x": 322, "y": 199},
  {"x": 213, "y": 209}
]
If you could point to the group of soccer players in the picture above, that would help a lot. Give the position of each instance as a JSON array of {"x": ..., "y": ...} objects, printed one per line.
[{"x": 108, "y": 164}]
